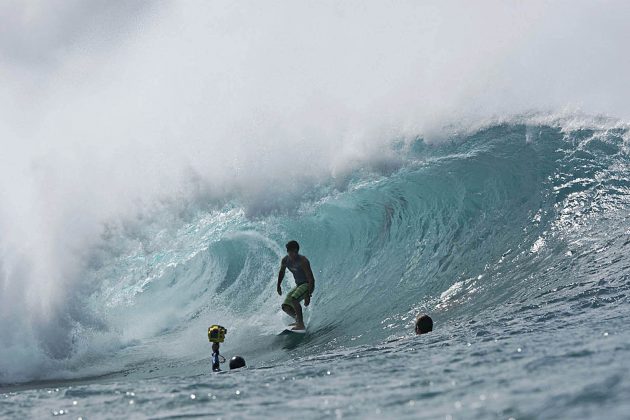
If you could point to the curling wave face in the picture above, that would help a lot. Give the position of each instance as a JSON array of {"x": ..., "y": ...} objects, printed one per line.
[{"x": 514, "y": 220}]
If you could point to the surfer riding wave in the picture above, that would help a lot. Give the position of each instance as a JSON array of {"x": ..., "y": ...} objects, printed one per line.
[{"x": 300, "y": 267}]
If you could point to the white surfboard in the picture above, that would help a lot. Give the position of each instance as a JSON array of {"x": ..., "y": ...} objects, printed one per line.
[{"x": 288, "y": 331}]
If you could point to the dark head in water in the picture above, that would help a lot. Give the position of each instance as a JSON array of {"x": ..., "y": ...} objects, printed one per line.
[
  {"x": 237, "y": 362},
  {"x": 424, "y": 324}
]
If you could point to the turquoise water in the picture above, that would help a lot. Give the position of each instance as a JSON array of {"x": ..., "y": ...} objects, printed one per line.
[{"x": 513, "y": 238}]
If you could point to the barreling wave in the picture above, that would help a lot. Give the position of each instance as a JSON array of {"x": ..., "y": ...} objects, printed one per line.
[{"x": 495, "y": 223}]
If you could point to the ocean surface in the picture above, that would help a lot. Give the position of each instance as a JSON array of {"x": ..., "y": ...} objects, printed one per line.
[{"x": 514, "y": 237}]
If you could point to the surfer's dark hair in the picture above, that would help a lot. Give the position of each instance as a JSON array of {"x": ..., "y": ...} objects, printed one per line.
[
  {"x": 293, "y": 246},
  {"x": 424, "y": 324}
]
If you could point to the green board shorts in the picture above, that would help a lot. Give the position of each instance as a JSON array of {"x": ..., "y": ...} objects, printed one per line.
[{"x": 298, "y": 293}]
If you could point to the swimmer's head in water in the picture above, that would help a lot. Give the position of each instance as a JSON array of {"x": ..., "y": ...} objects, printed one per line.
[
  {"x": 293, "y": 246},
  {"x": 424, "y": 324},
  {"x": 237, "y": 362}
]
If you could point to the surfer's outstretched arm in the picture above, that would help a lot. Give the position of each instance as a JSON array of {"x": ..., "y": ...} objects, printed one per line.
[{"x": 283, "y": 268}]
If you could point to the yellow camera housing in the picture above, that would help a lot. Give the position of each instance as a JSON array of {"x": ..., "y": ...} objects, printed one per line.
[{"x": 216, "y": 334}]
